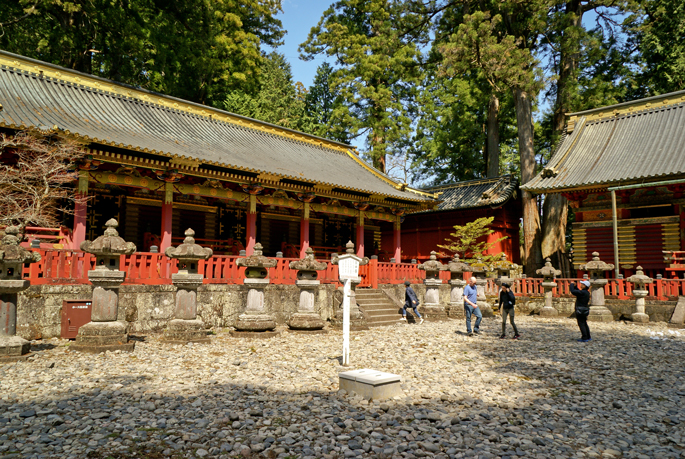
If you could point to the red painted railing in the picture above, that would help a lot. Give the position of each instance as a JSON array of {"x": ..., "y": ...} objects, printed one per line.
[{"x": 71, "y": 267}]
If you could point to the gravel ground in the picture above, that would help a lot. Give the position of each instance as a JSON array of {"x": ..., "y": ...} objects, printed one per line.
[{"x": 544, "y": 396}]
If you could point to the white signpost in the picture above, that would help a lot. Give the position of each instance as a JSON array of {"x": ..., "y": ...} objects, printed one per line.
[{"x": 348, "y": 271}]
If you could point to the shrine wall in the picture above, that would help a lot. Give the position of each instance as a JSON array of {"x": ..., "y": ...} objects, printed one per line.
[{"x": 148, "y": 308}]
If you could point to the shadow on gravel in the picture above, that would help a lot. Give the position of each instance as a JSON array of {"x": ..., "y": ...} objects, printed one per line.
[{"x": 564, "y": 395}]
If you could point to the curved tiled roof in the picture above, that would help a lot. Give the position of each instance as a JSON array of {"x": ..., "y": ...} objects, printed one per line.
[
  {"x": 640, "y": 141},
  {"x": 44, "y": 96},
  {"x": 492, "y": 192}
]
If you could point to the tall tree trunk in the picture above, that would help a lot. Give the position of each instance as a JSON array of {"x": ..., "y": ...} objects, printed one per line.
[
  {"x": 531, "y": 218},
  {"x": 555, "y": 209},
  {"x": 492, "y": 158}
]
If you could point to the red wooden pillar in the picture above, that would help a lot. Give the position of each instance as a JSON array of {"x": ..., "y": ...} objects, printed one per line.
[
  {"x": 80, "y": 218},
  {"x": 251, "y": 232},
  {"x": 80, "y": 211},
  {"x": 397, "y": 236},
  {"x": 360, "y": 235},
  {"x": 304, "y": 230},
  {"x": 167, "y": 211}
]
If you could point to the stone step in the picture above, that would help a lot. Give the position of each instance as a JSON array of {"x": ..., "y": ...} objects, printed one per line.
[{"x": 382, "y": 312}]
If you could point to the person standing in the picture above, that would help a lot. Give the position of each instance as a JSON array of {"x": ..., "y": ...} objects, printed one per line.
[
  {"x": 471, "y": 307},
  {"x": 582, "y": 295},
  {"x": 507, "y": 301},
  {"x": 411, "y": 301}
]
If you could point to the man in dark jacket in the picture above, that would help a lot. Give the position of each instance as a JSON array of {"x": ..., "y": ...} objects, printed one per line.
[
  {"x": 410, "y": 301},
  {"x": 507, "y": 300},
  {"x": 582, "y": 308}
]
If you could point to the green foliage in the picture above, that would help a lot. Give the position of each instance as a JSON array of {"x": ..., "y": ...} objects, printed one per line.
[
  {"x": 277, "y": 99},
  {"x": 321, "y": 101},
  {"x": 194, "y": 49},
  {"x": 376, "y": 73},
  {"x": 657, "y": 29},
  {"x": 470, "y": 241}
]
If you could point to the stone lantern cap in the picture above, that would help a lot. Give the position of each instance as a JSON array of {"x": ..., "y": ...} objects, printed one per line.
[
  {"x": 457, "y": 266},
  {"x": 432, "y": 265},
  {"x": 257, "y": 260},
  {"x": 189, "y": 251},
  {"x": 308, "y": 263},
  {"x": 639, "y": 278},
  {"x": 548, "y": 270},
  {"x": 349, "y": 250},
  {"x": 596, "y": 265},
  {"x": 110, "y": 243},
  {"x": 504, "y": 265},
  {"x": 11, "y": 252},
  {"x": 479, "y": 266}
]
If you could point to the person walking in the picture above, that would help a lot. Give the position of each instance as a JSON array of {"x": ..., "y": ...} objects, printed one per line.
[
  {"x": 507, "y": 301},
  {"x": 411, "y": 301},
  {"x": 471, "y": 307},
  {"x": 582, "y": 295}
]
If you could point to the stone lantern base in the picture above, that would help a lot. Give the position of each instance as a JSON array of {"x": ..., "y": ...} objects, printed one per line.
[
  {"x": 432, "y": 308},
  {"x": 13, "y": 348},
  {"x": 549, "y": 312},
  {"x": 182, "y": 331},
  {"x": 96, "y": 337},
  {"x": 306, "y": 322}
]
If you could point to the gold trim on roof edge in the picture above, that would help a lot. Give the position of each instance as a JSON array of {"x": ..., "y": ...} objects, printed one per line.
[
  {"x": 615, "y": 111},
  {"x": 161, "y": 100}
]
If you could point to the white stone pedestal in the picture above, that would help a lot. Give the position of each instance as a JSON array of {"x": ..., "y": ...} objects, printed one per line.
[
  {"x": 371, "y": 384},
  {"x": 548, "y": 310},
  {"x": 483, "y": 305},
  {"x": 456, "y": 307},
  {"x": 431, "y": 305}
]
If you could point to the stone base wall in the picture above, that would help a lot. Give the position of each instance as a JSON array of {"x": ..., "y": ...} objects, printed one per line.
[{"x": 148, "y": 308}]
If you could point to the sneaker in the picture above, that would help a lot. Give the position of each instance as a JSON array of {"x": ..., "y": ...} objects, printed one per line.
[
  {"x": 470, "y": 333},
  {"x": 516, "y": 336},
  {"x": 421, "y": 321},
  {"x": 581, "y": 340},
  {"x": 477, "y": 332},
  {"x": 503, "y": 337},
  {"x": 403, "y": 318},
  {"x": 589, "y": 339}
]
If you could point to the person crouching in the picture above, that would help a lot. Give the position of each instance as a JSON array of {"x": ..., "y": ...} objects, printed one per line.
[{"x": 410, "y": 301}]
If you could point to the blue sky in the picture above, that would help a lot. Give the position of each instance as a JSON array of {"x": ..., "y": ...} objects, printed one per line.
[{"x": 298, "y": 17}]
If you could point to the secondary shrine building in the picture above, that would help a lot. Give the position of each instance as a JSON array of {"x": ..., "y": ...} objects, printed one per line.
[
  {"x": 622, "y": 168},
  {"x": 462, "y": 203},
  {"x": 160, "y": 165}
]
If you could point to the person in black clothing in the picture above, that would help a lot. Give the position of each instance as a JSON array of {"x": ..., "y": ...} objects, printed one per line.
[
  {"x": 410, "y": 301},
  {"x": 507, "y": 300},
  {"x": 582, "y": 308}
]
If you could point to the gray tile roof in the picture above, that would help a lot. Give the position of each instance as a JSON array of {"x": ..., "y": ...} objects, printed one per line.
[
  {"x": 491, "y": 192},
  {"x": 113, "y": 114},
  {"x": 634, "y": 142}
]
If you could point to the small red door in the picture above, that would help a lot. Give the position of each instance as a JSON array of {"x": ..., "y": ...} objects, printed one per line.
[{"x": 74, "y": 314}]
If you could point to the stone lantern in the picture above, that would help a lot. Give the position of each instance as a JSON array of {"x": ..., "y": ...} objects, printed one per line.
[
  {"x": 12, "y": 259},
  {"x": 596, "y": 268},
  {"x": 503, "y": 268},
  {"x": 480, "y": 269},
  {"x": 457, "y": 268},
  {"x": 104, "y": 332},
  {"x": 431, "y": 305},
  {"x": 639, "y": 279},
  {"x": 185, "y": 327},
  {"x": 255, "y": 321},
  {"x": 306, "y": 319},
  {"x": 549, "y": 275}
]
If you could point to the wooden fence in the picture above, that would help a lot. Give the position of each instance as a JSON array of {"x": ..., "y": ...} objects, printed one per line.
[{"x": 71, "y": 267}]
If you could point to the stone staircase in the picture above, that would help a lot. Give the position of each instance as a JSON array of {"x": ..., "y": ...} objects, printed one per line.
[{"x": 378, "y": 308}]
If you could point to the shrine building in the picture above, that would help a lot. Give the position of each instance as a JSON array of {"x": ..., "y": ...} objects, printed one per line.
[
  {"x": 160, "y": 165},
  {"x": 462, "y": 203},
  {"x": 622, "y": 168}
]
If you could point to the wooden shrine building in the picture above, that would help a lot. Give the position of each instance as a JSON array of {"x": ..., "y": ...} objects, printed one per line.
[
  {"x": 634, "y": 155},
  {"x": 160, "y": 165},
  {"x": 462, "y": 203}
]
